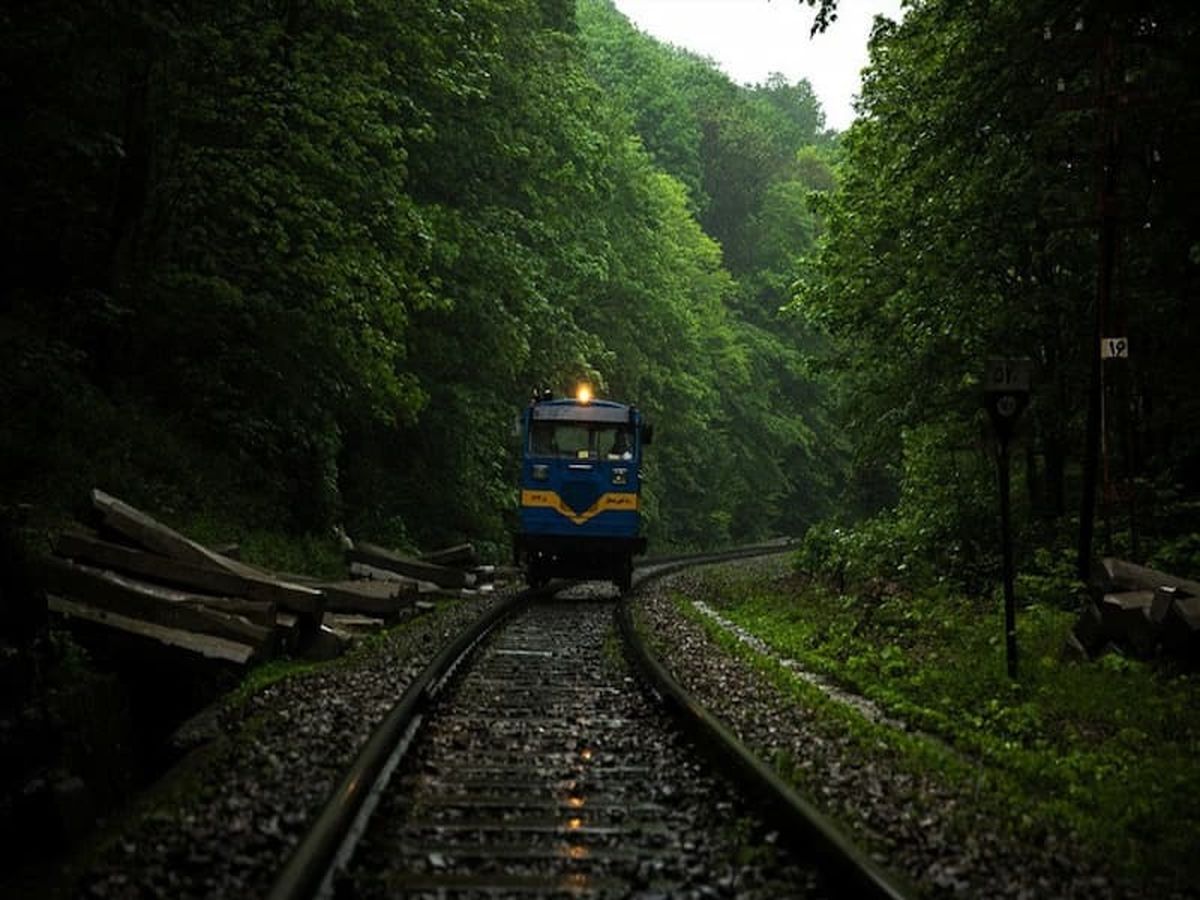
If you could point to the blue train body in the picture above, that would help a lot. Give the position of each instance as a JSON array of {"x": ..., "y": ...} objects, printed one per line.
[{"x": 580, "y": 500}]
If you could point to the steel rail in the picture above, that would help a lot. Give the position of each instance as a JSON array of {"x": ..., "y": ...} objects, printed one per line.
[
  {"x": 799, "y": 821},
  {"x": 314, "y": 858},
  {"x": 332, "y": 833},
  {"x": 679, "y": 561}
]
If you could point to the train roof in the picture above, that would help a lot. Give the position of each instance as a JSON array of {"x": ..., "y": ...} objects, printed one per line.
[{"x": 568, "y": 409}]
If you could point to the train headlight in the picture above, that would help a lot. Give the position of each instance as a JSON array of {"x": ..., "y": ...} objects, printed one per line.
[
  {"x": 620, "y": 476},
  {"x": 584, "y": 393},
  {"x": 541, "y": 472}
]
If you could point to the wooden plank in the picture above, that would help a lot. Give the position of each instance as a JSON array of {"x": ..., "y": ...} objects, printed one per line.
[
  {"x": 377, "y": 589},
  {"x": 1127, "y": 621},
  {"x": 288, "y": 632},
  {"x": 378, "y": 557},
  {"x": 353, "y": 623},
  {"x": 462, "y": 555},
  {"x": 1163, "y": 598},
  {"x": 376, "y": 598},
  {"x": 1126, "y": 574},
  {"x": 152, "y": 603},
  {"x": 1129, "y": 600},
  {"x": 363, "y": 572},
  {"x": 391, "y": 586},
  {"x": 153, "y": 535},
  {"x": 297, "y": 598},
  {"x": 1186, "y": 611},
  {"x": 88, "y": 549},
  {"x": 254, "y": 611},
  {"x": 150, "y": 533},
  {"x": 1181, "y": 627},
  {"x": 204, "y": 644}
]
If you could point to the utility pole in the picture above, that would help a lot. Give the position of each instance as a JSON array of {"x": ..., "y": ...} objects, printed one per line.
[{"x": 1107, "y": 157}]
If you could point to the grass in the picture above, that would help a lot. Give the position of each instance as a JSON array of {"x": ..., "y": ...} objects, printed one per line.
[
  {"x": 1109, "y": 750},
  {"x": 268, "y": 673}
]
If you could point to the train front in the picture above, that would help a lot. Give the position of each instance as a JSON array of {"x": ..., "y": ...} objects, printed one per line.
[{"x": 580, "y": 487}]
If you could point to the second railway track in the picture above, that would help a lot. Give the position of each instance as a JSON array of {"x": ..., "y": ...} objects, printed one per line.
[{"x": 545, "y": 769}]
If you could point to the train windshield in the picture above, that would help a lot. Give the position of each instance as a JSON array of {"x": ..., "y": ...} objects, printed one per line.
[{"x": 581, "y": 440}]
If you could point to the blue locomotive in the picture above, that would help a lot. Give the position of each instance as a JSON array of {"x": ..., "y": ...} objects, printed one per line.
[{"x": 580, "y": 489}]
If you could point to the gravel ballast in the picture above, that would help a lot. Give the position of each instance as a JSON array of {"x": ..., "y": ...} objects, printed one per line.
[
  {"x": 275, "y": 758},
  {"x": 928, "y": 830},
  {"x": 547, "y": 772}
]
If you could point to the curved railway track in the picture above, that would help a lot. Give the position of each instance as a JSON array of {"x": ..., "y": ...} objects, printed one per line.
[{"x": 529, "y": 761}]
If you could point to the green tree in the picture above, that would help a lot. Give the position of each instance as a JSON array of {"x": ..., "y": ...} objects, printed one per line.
[{"x": 960, "y": 228}]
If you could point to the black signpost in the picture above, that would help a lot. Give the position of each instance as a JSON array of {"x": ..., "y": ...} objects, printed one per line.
[{"x": 1006, "y": 394}]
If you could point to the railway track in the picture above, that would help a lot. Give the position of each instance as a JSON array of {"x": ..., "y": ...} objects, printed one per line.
[{"x": 541, "y": 767}]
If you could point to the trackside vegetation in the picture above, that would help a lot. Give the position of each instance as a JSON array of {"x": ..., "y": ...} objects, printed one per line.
[{"x": 1109, "y": 751}]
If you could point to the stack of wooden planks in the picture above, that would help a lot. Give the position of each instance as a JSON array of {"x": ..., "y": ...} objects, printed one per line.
[
  {"x": 138, "y": 576},
  {"x": 1141, "y": 611}
]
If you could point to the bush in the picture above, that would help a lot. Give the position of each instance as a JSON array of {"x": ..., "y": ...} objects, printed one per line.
[
  {"x": 1180, "y": 556},
  {"x": 877, "y": 548},
  {"x": 942, "y": 530}
]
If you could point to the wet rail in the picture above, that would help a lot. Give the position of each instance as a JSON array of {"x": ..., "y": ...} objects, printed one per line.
[{"x": 543, "y": 768}]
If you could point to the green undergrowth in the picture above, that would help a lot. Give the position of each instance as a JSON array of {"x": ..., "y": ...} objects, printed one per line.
[
  {"x": 1109, "y": 750},
  {"x": 273, "y": 550},
  {"x": 271, "y": 672}
]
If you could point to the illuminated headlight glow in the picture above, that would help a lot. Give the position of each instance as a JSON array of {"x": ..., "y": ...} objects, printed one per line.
[
  {"x": 620, "y": 476},
  {"x": 584, "y": 393}
]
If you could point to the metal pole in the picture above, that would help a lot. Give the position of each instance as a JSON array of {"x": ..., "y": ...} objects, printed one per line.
[
  {"x": 1106, "y": 191},
  {"x": 1091, "y": 454},
  {"x": 1010, "y": 613}
]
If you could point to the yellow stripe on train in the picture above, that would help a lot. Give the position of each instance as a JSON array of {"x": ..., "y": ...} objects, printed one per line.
[{"x": 550, "y": 500}]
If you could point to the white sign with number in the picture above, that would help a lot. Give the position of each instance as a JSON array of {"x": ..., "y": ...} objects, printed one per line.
[{"x": 1114, "y": 348}]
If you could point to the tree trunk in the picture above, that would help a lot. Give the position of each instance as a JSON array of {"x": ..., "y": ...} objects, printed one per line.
[{"x": 133, "y": 171}]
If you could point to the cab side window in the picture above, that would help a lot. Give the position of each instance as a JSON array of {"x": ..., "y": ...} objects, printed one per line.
[{"x": 541, "y": 439}]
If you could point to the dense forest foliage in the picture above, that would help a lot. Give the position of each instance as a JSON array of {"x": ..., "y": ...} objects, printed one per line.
[
  {"x": 296, "y": 265},
  {"x": 1019, "y": 183},
  {"x": 299, "y": 265}
]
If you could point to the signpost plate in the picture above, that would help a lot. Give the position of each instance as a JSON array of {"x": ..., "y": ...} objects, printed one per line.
[
  {"x": 1114, "y": 348},
  {"x": 1007, "y": 375},
  {"x": 1006, "y": 386}
]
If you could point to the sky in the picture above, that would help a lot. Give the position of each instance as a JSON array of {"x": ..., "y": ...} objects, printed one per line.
[{"x": 750, "y": 39}]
